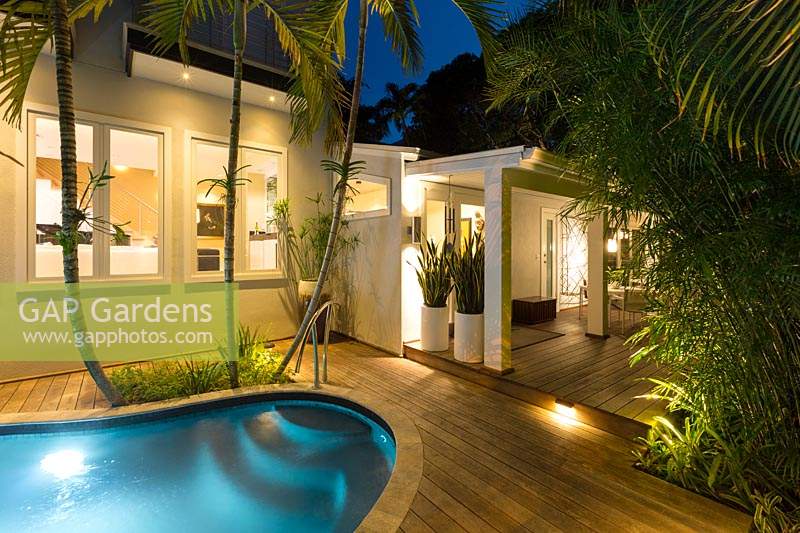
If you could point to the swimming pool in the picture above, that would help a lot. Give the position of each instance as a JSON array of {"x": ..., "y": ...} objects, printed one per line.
[{"x": 275, "y": 465}]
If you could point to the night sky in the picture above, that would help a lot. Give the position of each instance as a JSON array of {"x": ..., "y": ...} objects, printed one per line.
[{"x": 444, "y": 32}]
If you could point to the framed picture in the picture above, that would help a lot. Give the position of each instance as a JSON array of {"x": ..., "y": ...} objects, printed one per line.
[{"x": 210, "y": 220}]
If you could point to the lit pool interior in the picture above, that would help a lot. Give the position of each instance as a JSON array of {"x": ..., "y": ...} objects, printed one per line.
[{"x": 285, "y": 465}]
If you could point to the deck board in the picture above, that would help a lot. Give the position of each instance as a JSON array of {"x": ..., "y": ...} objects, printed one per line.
[
  {"x": 591, "y": 371},
  {"x": 491, "y": 462}
]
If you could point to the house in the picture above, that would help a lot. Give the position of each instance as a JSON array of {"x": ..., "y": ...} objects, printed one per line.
[{"x": 161, "y": 128}]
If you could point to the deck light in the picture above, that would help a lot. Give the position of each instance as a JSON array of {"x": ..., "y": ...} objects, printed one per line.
[
  {"x": 120, "y": 168},
  {"x": 64, "y": 464},
  {"x": 185, "y": 75},
  {"x": 565, "y": 407},
  {"x": 271, "y": 98}
]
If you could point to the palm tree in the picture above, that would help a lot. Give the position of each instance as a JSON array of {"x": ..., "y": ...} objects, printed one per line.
[
  {"x": 27, "y": 26},
  {"x": 400, "y": 21},
  {"x": 398, "y": 103},
  {"x": 171, "y": 21}
]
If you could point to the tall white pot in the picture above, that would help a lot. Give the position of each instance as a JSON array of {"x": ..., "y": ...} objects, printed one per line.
[
  {"x": 468, "y": 345},
  {"x": 435, "y": 334}
]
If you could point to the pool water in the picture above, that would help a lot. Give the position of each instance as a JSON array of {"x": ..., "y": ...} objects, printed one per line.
[{"x": 286, "y": 465}]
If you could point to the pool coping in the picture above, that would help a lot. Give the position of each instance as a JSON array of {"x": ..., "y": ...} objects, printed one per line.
[{"x": 392, "y": 505}]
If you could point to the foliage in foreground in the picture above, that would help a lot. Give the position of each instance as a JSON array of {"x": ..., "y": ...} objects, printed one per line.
[
  {"x": 718, "y": 247},
  {"x": 163, "y": 380}
]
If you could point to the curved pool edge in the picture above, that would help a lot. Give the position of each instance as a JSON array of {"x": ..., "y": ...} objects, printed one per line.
[{"x": 386, "y": 514}]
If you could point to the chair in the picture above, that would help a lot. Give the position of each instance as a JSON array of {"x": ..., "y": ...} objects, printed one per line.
[{"x": 631, "y": 300}]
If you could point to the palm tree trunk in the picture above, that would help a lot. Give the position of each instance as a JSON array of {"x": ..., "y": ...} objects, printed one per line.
[
  {"x": 239, "y": 39},
  {"x": 70, "y": 216},
  {"x": 340, "y": 189}
]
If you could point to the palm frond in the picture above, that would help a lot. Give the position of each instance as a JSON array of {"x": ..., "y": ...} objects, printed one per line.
[
  {"x": 312, "y": 37},
  {"x": 484, "y": 15},
  {"x": 400, "y": 21},
  {"x": 736, "y": 63},
  {"x": 24, "y": 31},
  {"x": 171, "y": 20}
]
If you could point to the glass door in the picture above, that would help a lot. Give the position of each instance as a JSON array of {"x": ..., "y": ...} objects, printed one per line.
[{"x": 549, "y": 262}]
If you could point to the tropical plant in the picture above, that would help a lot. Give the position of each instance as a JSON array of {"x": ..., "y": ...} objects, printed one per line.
[
  {"x": 735, "y": 64},
  {"x": 27, "y": 26},
  {"x": 400, "y": 20},
  {"x": 198, "y": 376},
  {"x": 433, "y": 275},
  {"x": 300, "y": 34},
  {"x": 466, "y": 267},
  {"x": 305, "y": 246},
  {"x": 717, "y": 248}
]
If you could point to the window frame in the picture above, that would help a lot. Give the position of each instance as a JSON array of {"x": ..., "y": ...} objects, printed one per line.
[
  {"x": 101, "y": 148},
  {"x": 372, "y": 178},
  {"x": 241, "y": 251}
]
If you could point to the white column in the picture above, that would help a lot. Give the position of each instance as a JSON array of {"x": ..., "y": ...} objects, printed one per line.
[
  {"x": 497, "y": 298},
  {"x": 597, "y": 325}
]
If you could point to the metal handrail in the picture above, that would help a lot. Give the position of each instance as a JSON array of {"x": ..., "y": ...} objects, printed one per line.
[{"x": 311, "y": 329}]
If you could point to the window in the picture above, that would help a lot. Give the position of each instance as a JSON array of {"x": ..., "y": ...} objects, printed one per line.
[
  {"x": 256, "y": 240},
  {"x": 132, "y": 199},
  {"x": 368, "y": 197}
]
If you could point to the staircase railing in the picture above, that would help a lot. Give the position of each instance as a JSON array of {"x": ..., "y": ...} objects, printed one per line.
[{"x": 327, "y": 309}]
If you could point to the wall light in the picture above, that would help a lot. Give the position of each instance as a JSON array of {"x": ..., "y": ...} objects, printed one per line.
[
  {"x": 611, "y": 246},
  {"x": 271, "y": 98},
  {"x": 185, "y": 75}
]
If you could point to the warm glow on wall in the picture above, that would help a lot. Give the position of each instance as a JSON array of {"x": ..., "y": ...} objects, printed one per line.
[{"x": 412, "y": 193}]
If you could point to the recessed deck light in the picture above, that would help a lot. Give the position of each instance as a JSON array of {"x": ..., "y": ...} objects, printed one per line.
[
  {"x": 185, "y": 75},
  {"x": 565, "y": 407}
]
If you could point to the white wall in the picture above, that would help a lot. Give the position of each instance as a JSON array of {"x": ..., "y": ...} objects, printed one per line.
[
  {"x": 371, "y": 289},
  {"x": 102, "y": 87},
  {"x": 526, "y": 218}
]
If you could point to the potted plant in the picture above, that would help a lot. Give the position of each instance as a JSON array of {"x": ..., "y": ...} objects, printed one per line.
[
  {"x": 303, "y": 249},
  {"x": 466, "y": 267},
  {"x": 434, "y": 280}
]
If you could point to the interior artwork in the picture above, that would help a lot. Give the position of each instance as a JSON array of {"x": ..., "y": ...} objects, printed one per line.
[{"x": 210, "y": 220}]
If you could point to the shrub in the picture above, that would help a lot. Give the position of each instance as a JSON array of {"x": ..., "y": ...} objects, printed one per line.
[{"x": 163, "y": 380}]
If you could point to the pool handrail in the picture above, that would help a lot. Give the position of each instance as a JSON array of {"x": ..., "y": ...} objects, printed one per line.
[{"x": 327, "y": 308}]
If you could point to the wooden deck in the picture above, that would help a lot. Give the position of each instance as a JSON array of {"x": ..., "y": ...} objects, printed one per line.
[
  {"x": 594, "y": 372},
  {"x": 491, "y": 462},
  {"x": 590, "y": 371}
]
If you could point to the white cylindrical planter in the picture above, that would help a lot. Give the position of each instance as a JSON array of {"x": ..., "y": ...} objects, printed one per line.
[
  {"x": 305, "y": 288},
  {"x": 468, "y": 345},
  {"x": 435, "y": 334}
]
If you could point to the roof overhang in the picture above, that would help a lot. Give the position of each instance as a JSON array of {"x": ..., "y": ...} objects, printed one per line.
[{"x": 209, "y": 70}]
